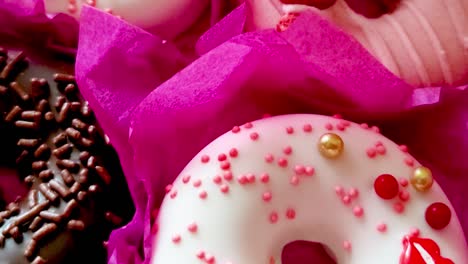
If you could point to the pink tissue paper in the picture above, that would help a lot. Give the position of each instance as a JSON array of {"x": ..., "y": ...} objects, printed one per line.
[{"x": 159, "y": 108}]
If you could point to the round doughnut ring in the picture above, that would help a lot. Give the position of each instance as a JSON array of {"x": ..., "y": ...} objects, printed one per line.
[{"x": 306, "y": 177}]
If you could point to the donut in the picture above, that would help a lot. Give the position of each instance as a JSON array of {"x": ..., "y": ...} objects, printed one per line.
[
  {"x": 168, "y": 18},
  {"x": 306, "y": 177},
  {"x": 76, "y": 191},
  {"x": 411, "y": 41}
]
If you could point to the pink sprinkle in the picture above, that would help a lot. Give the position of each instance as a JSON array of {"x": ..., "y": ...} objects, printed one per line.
[
  {"x": 339, "y": 190},
  {"x": 192, "y": 228},
  {"x": 414, "y": 232},
  {"x": 307, "y": 128},
  {"x": 403, "y": 148},
  {"x": 347, "y": 245},
  {"x": 269, "y": 158},
  {"x": 365, "y": 126},
  {"x": 205, "y": 158},
  {"x": 358, "y": 211},
  {"x": 399, "y": 207},
  {"x": 228, "y": 176},
  {"x": 289, "y": 130},
  {"x": 224, "y": 188},
  {"x": 209, "y": 258},
  {"x": 266, "y": 196},
  {"x": 404, "y": 182},
  {"x": 299, "y": 169},
  {"x": 382, "y": 227},
  {"x": 173, "y": 194},
  {"x": 375, "y": 129},
  {"x": 265, "y": 178},
  {"x": 176, "y": 239},
  {"x": 71, "y": 8},
  {"x": 248, "y": 125},
  {"x": 242, "y": 179},
  {"x": 197, "y": 183},
  {"x": 201, "y": 254},
  {"x": 254, "y": 135},
  {"x": 309, "y": 171},
  {"x": 353, "y": 192},
  {"x": 287, "y": 150},
  {"x": 328, "y": 126},
  {"x": 282, "y": 162},
  {"x": 233, "y": 153},
  {"x": 222, "y": 157},
  {"x": 409, "y": 161},
  {"x": 290, "y": 213},
  {"x": 340, "y": 127},
  {"x": 168, "y": 188},
  {"x": 371, "y": 152},
  {"x": 346, "y": 199},
  {"x": 203, "y": 194},
  {"x": 250, "y": 177},
  {"x": 404, "y": 195},
  {"x": 273, "y": 217},
  {"x": 186, "y": 179},
  {"x": 294, "y": 180},
  {"x": 381, "y": 149},
  {"x": 235, "y": 129},
  {"x": 225, "y": 165},
  {"x": 217, "y": 179}
]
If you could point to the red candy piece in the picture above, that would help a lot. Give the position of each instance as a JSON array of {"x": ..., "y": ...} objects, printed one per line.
[
  {"x": 421, "y": 251},
  {"x": 386, "y": 186},
  {"x": 320, "y": 4},
  {"x": 438, "y": 215}
]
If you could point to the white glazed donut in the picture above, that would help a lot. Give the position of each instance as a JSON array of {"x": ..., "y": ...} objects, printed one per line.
[
  {"x": 286, "y": 178},
  {"x": 167, "y": 17}
]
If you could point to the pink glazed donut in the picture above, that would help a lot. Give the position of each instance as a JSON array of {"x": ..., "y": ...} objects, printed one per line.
[{"x": 306, "y": 177}]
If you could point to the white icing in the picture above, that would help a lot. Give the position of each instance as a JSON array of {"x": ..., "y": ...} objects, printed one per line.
[
  {"x": 167, "y": 18},
  {"x": 234, "y": 227}
]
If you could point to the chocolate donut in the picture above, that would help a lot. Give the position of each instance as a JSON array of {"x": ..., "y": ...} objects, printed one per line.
[{"x": 77, "y": 193}]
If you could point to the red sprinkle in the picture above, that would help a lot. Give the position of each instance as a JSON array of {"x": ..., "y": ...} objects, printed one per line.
[
  {"x": 168, "y": 188},
  {"x": 287, "y": 150},
  {"x": 382, "y": 227},
  {"x": 225, "y": 165},
  {"x": 282, "y": 162},
  {"x": 176, "y": 239},
  {"x": 173, "y": 194},
  {"x": 386, "y": 186},
  {"x": 222, "y": 157},
  {"x": 254, "y": 135},
  {"x": 346, "y": 199},
  {"x": 371, "y": 152},
  {"x": 339, "y": 190},
  {"x": 265, "y": 178},
  {"x": 307, "y": 128},
  {"x": 354, "y": 193},
  {"x": 399, "y": 207},
  {"x": 289, "y": 130},
  {"x": 201, "y": 254},
  {"x": 197, "y": 183},
  {"x": 273, "y": 217},
  {"x": 403, "y": 148},
  {"x": 228, "y": 176},
  {"x": 347, "y": 245},
  {"x": 235, "y": 129},
  {"x": 192, "y": 228},
  {"x": 404, "y": 195},
  {"x": 381, "y": 149},
  {"x": 224, "y": 188},
  {"x": 404, "y": 182},
  {"x": 358, "y": 211},
  {"x": 205, "y": 159},
  {"x": 328, "y": 126},
  {"x": 364, "y": 125},
  {"x": 266, "y": 196},
  {"x": 409, "y": 161},
  {"x": 310, "y": 171},
  {"x": 438, "y": 215},
  {"x": 233, "y": 153},
  {"x": 217, "y": 179},
  {"x": 203, "y": 194},
  {"x": 248, "y": 125},
  {"x": 186, "y": 179},
  {"x": 269, "y": 158},
  {"x": 294, "y": 180},
  {"x": 299, "y": 169},
  {"x": 290, "y": 213}
]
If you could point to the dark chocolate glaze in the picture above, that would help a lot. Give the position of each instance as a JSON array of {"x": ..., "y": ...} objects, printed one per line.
[{"x": 78, "y": 194}]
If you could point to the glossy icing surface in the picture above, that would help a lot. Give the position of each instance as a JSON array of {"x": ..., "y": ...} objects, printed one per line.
[
  {"x": 425, "y": 42},
  {"x": 167, "y": 18},
  {"x": 304, "y": 177}
]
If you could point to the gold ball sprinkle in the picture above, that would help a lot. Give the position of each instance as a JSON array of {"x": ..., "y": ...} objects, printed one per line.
[
  {"x": 422, "y": 179},
  {"x": 331, "y": 145}
]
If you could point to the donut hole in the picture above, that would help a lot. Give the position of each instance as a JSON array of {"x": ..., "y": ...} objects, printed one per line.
[{"x": 306, "y": 252}]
